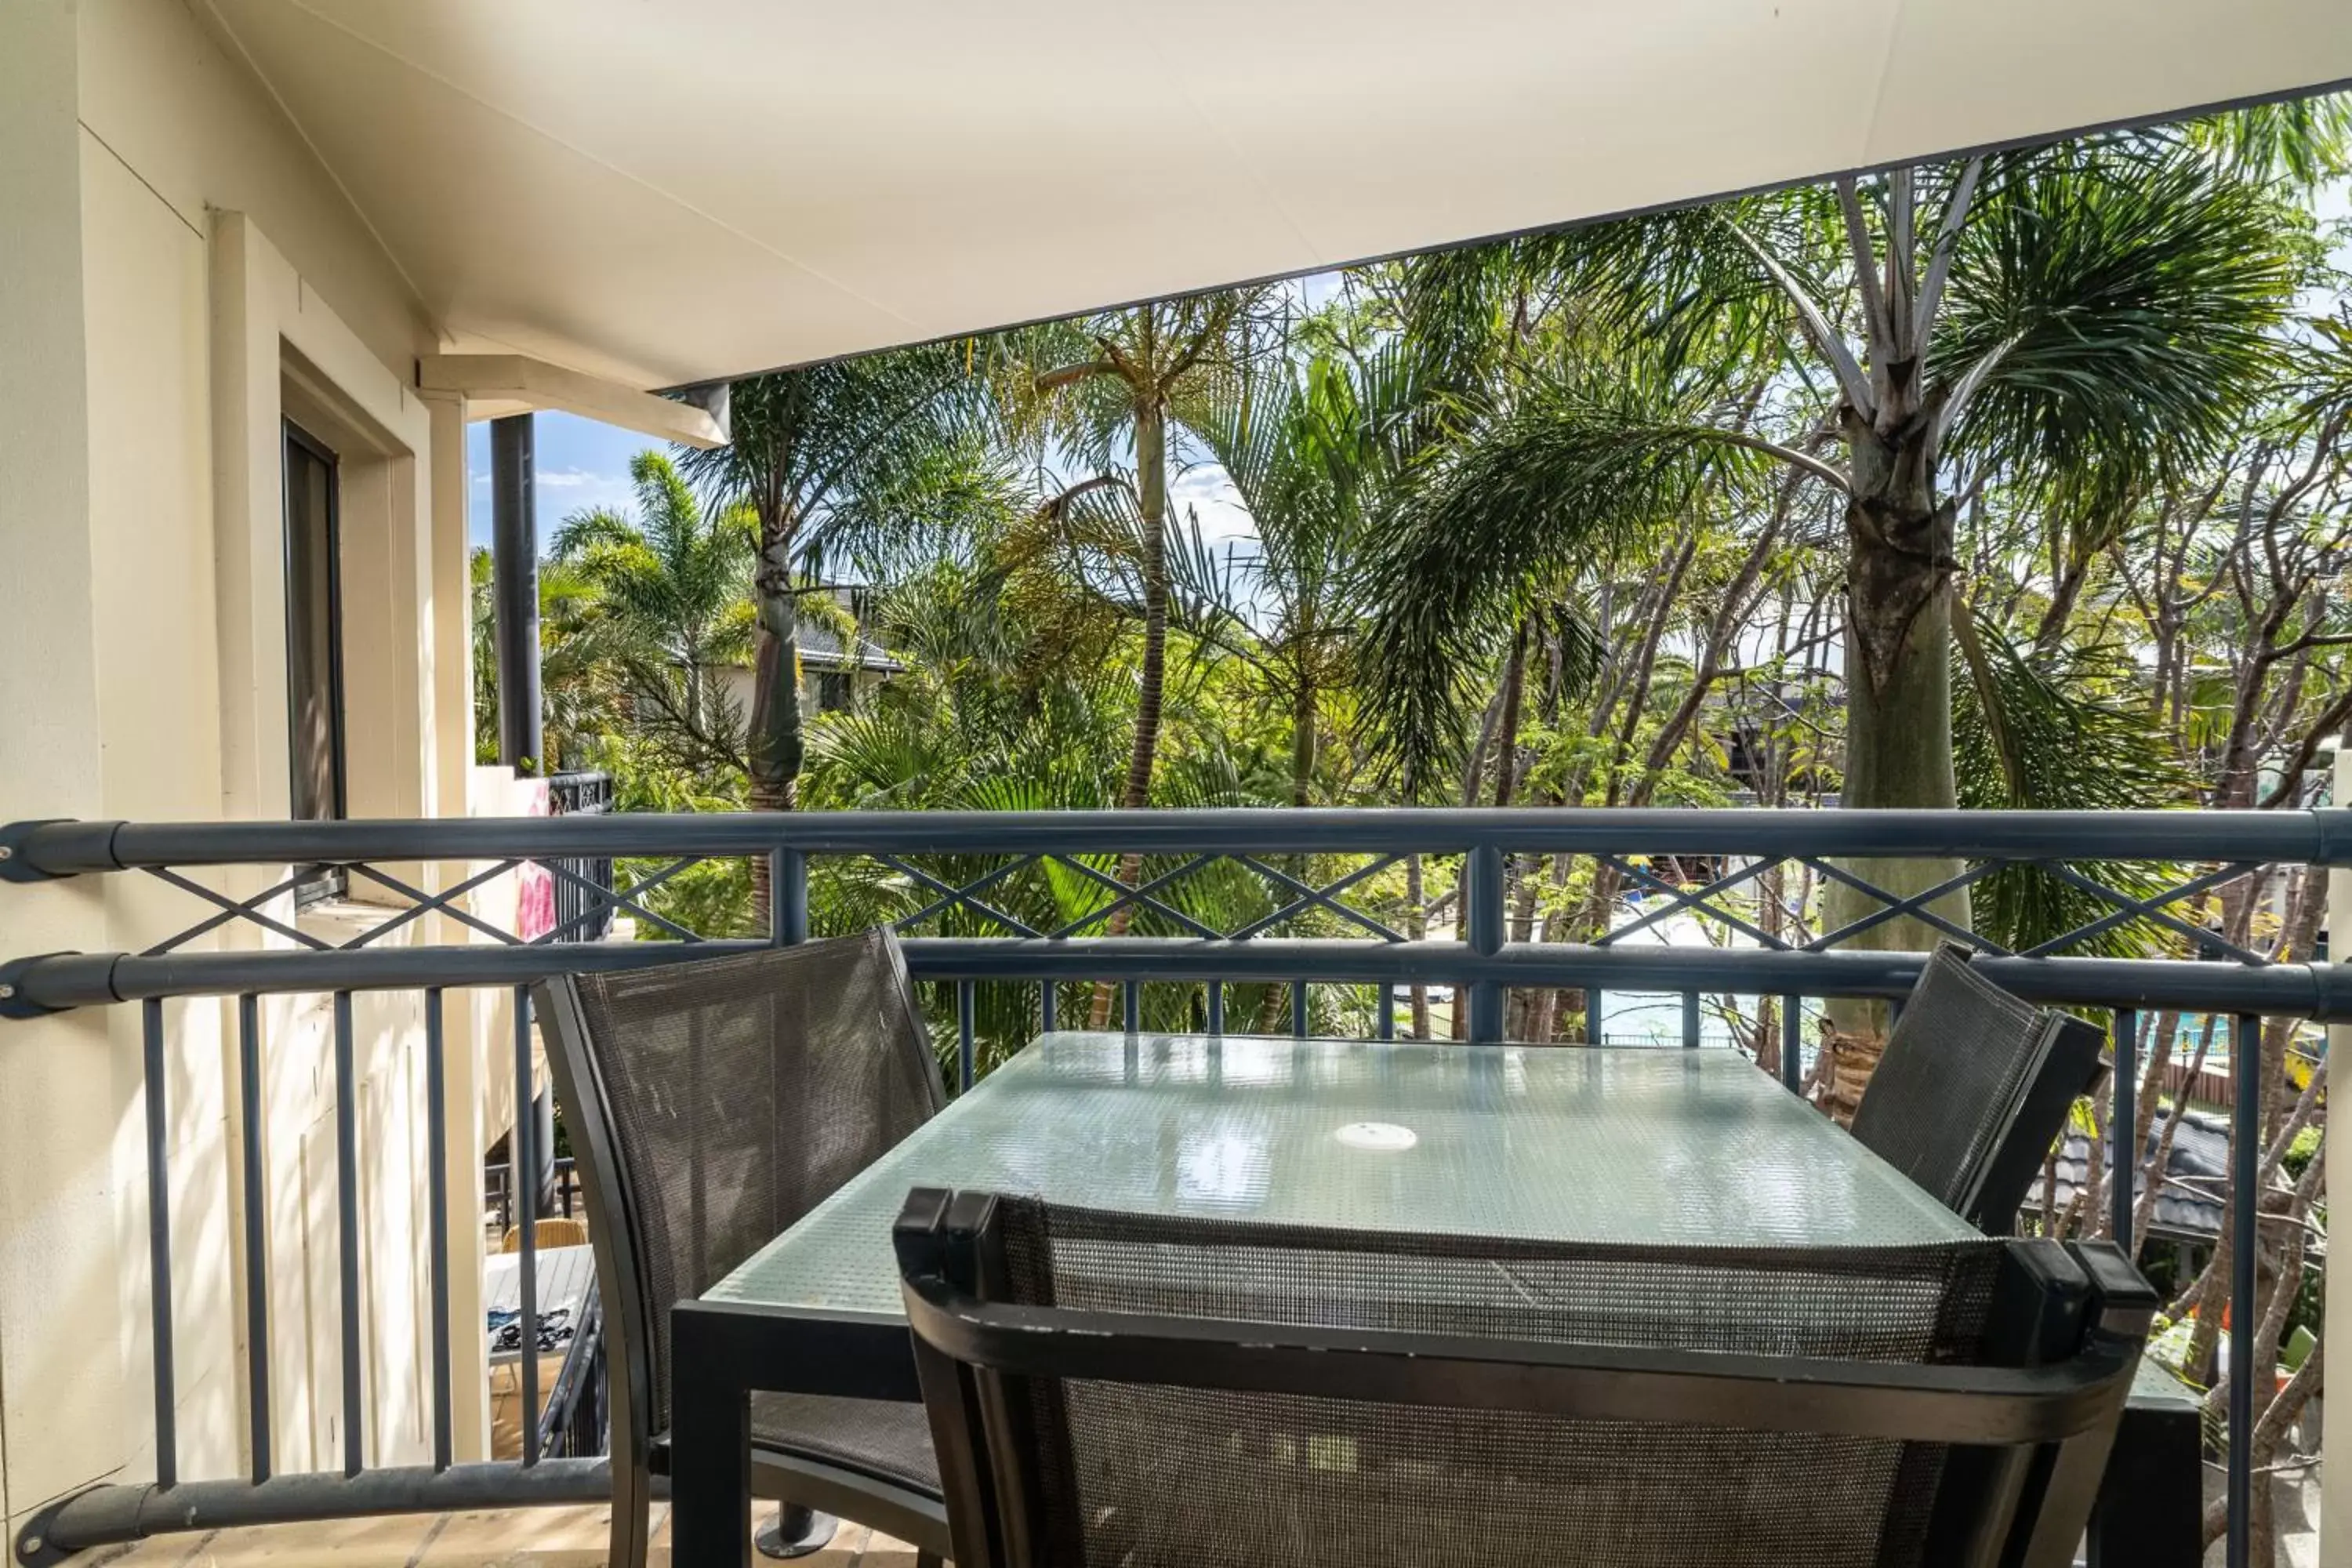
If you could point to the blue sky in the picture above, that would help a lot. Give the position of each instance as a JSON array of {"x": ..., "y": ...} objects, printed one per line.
[{"x": 580, "y": 463}]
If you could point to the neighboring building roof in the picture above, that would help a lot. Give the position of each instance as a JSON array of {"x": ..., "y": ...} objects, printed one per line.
[
  {"x": 2189, "y": 1203},
  {"x": 821, "y": 650},
  {"x": 680, "y": 193}
]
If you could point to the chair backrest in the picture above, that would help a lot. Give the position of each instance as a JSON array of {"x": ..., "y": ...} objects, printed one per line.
[
  {"x": 1143, "y": 1391},
  {"x": 1973, "y": 1088},
  {"x": 714, "y": 1103},
  {"x": 556, "y": 1230}
]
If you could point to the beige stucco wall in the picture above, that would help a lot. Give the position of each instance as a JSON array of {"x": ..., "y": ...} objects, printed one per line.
[
  {"x": 178, "y": 270},
  {"x": 58, "y": 1097}
]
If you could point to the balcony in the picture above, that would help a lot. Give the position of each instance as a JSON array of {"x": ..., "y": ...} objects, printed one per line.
[{"x": 1227, "y": 920}]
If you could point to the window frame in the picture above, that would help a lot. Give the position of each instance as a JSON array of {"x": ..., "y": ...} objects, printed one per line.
[{"x": 315, "y": 883}]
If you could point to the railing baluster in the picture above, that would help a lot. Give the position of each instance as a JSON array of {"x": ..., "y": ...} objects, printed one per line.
[
  {"x": 964, "y": 1006},
  {"x": 1131, "y": 999},
  {"x": 159, "y": 1245},
  {"x": 346, "y": 1226},
  {"x": 1298, "y": 1009},
  {"x": 2245, "y": 1175},
  {"x": 1482, "y": 926},
  {"x": 1793, "y": 1036},
  {"x": 256, "y": 1254},
  {"x": 1594, "y": 1006},
  {"x": 436, "y": 1183},
  {"x": 1384, "y": 1025},
  {"x": 1048, "y": 1005},
  {"x": 522, "y": 1181},
  {"x": 1216, "y": 1007},
  {"x": 1690, "y": 1020},
  {"x": 2123, "y": 1117},
  {"x": 787, "y": 896}
]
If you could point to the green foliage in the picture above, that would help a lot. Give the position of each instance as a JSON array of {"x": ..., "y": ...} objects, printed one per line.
[
  {"x": 2117, "y": 302},
  {"x": 2058, "y": 732},
  {"x": 1643, "y": 453}
]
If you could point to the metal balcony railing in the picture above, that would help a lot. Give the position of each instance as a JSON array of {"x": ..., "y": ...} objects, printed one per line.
[
  {"x": 1016, "y": 920},
  {"x": 583, "y": 912}
]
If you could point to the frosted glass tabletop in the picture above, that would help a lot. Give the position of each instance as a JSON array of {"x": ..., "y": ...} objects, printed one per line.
[{"x": 1667, "y": 1146}]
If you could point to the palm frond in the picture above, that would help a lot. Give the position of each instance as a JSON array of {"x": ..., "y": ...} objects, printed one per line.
[
  {"x": 2062, "y": 731},
  {"x": 1579, "y": 470}
]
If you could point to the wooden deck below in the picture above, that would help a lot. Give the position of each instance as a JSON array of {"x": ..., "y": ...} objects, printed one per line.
[{"x": 506, "y": 1538}]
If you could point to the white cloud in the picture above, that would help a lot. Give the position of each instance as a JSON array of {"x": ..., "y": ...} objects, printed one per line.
[
  {"x": 1204, "y": 491},
  {"x": 572, "y": 478}
]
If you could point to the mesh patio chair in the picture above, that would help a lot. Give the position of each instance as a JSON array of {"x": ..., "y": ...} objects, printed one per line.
[
  {"x": 1148, "y": 1392},
  {"x": 711, "y": 1104},
  {"x": 1973, "y": 1088}
]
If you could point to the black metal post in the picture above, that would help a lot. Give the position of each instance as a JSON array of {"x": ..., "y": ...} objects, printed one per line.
[
  {"x": 1792, "y": 1035},
  {"x": 514, "y": 575},
  {"x": 1483, "y": 927},
  {"x": 437, "y": 1180},
  {"x": 522, "y": 1156},
  {"x": 158, "y": 1248},
  {"x": 965, "y": 1003},
  {"x": 2245, "y": 1182},
  {"x": 347, "y": 1234},
  {"x": 2123, "y": 1119},
  {"x": 257, "y": 1253}
]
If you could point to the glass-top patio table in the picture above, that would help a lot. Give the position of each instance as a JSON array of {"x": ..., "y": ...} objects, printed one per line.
[{"x": 1618, "y": 1144}]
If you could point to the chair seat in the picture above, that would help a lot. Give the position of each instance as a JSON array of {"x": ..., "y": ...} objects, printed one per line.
[{"x": 882, "y": 1438}]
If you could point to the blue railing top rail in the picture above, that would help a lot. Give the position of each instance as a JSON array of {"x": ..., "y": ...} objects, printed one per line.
[
  {"x": 2319, "y": 836},
  {"x": 2315, "y": 990},
  {"x": 2236, "y": 842}
]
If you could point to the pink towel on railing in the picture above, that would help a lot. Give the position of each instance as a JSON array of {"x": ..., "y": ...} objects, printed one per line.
[{"x": 534, "y": 883}]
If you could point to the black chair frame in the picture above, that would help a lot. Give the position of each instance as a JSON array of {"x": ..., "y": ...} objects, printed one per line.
[
  {"x": 639, "y": 1453},
  {"x": 2063, "y": 1061},
  {"x": 2031, "y": 1435}
]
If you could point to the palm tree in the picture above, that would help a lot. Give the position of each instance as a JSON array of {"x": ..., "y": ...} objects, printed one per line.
[
  {"x": 845, "y": 459},
  {"x": 1311, "y": 456},
  {"x": 2077, "y": 322},
  {"x": 667, "y": 612},
  {"x": 1113, "y": 385},
  {"x": 1120, "y": 380},
  {"x": 573, "y": 701}
]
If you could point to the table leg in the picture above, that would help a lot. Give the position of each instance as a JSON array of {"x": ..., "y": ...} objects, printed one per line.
[
  {"x": 2151, "y": 1511},
  {"x": 710, "y": 1451}
]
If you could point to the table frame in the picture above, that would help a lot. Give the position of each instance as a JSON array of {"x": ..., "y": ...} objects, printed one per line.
[{"x": 724, "y": 1351}]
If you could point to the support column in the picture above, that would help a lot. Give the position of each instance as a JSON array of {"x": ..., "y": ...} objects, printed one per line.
[
  {"x": 514, "y": 562},
  {"x": 2336, "y": 1413}
]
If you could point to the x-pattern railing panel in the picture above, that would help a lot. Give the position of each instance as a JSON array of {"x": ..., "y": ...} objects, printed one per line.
[
  {"x": 1698, "y": 901},
  {"x": 1714, "y": 903},
  {"x": 1325, "y": 897},
  {"x": 953, "y": 897}
]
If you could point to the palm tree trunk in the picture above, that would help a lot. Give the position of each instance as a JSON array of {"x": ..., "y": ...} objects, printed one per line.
[
  {"x": 1302, "y": 741},
  {"x": 776, "y": 746},
  {"x": 1151, "y": 493},
  {"x": 1898, "y": 684}
]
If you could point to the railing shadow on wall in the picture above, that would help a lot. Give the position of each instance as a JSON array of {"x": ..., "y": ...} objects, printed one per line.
[{"x": 1007, "y": 918}]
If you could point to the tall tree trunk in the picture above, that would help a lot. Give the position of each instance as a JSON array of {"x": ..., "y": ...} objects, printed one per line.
[
  {"x": 1151, "y": 495},
  {"x": 776, "y": 747},
  {"x": 1898, "y": 685},
  {"x": 1302, "y": 741}
]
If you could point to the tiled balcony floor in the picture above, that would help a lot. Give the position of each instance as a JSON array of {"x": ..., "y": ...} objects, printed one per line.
[{"x": 507, "y": 1538}]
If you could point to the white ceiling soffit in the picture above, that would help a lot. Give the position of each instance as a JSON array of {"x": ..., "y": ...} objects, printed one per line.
[{"x": 667, "y": 191}]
